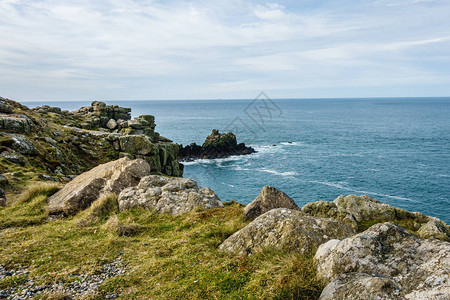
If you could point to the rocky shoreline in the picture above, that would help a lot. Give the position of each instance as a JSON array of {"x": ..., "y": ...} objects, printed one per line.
[{"x": 361, "y": 248}]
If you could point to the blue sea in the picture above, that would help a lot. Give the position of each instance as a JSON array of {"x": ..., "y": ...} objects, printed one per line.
[{"x": 396, "y": 150}]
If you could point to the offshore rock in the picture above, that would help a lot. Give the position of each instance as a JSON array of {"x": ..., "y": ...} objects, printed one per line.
[
  {"x": 111, "y": 177},
  {"x": 268, "y": 199},
  {"x": 407, "y": 267},
  {"x": 168, "y": 195},
  {"x": 285, "y": 229},
  {"x": 216, "y": 145}
]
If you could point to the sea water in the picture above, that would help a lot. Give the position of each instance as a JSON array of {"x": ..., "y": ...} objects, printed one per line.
[{"x": 396, "y": 150}]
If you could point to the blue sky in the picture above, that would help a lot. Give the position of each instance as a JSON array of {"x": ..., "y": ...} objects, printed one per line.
[{"x": 123, "y": 49}]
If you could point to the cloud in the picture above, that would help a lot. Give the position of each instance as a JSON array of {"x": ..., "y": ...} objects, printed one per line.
[{"x": 216, "y": 49}]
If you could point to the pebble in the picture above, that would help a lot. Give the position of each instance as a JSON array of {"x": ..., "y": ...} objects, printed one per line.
[{"x": 83, "y": 285}]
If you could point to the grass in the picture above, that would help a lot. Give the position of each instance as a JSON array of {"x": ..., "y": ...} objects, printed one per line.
[
  {"x": 29, "y": 208},
  {"x": 171, "y": 257}
]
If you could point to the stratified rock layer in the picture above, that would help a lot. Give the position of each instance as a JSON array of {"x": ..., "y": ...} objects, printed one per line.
[
  {"x": 168, "y": 195},
  {"x": 285, "y": 229},
  {"x": 386, "y": 261},
  {"x": 111, "y": 177},
  {"x": 268, "y": 199}
]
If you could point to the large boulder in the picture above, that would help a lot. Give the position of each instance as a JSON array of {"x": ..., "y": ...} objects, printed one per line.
[
  {"x": 168, "y": 195},
  {"x": 22, "y": 144},
  {"x": 111, "y": 177},
  {"x": 285, "y": 229},
  {"x": 363, "y": 208},
  {"x": 434, "y": 228},
  {"x": 16, "y": 123},
  {"x": 406, "y": 266},
  {"x": 268, "y": 199},
  {"x": 325, "y": 209}
]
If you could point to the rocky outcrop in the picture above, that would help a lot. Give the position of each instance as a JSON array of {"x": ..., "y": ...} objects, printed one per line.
[
  {"x": 17, "y": 123},
  {"x": 111, "y": 177},
  {"x": 388, "y": 263},
  {"x": 363, "y": 208},
  {"x": 60, "y": 143},
  {"x": 325, "y": 209},
  {"x": 216, "y": 145},
  {"x": 360, "y": 211},
  {"x": 285, "y": 229},
  {"x": 268, "y": 199},
  {"x": 168, "y": 195},
  {"x": 434, "y": 228}
]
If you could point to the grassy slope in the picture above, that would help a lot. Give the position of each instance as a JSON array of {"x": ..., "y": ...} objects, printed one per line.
[{"x": 168, "y": 256}]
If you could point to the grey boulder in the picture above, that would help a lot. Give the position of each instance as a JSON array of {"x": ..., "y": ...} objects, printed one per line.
[
  {"x": 268, "y": 199},
  {"x": 285, "y": 229},
  {"x": 392, "y": 261},
  {"x": 111, "y": 177},
  {"x": 168, "y": 195}
]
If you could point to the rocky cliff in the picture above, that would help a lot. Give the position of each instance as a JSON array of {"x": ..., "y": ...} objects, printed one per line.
[{"x": 53, "y": 144}]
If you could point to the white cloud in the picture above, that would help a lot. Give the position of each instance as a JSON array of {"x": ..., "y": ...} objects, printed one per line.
[{"x": 177, "y": 49}]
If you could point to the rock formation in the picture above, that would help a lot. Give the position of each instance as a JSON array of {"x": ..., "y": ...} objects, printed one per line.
[
  {"x": 168, "y": 195},
  {"x": 111, "y": 177},
  {"x": 285, "y": 229},
  {"x": 59, "y": 143},
  {"x": 268, "y": 199},
  {"x": 385, "y": 262},
  {"x": 358, "y": 211},
  {"x": 216, "y": 145}
]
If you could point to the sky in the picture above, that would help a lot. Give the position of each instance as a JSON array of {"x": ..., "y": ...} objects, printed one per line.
[{"x": 209, "y": 49}]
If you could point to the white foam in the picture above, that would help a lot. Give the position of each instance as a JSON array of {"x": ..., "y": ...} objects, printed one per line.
[
  {"x": 278, "y": 173},
  {"x": 290, "y": 143}
]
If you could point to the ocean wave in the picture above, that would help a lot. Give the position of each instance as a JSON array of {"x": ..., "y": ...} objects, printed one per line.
[
  {"x": 215, "y": 161},
  {"x": 290, "y": 143},
  {"x": 278, "y": 173},
  {"x": 342, "y": 187}
]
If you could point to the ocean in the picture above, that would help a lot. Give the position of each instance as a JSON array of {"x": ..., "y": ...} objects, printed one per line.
[{"x": 396, "y": 150}]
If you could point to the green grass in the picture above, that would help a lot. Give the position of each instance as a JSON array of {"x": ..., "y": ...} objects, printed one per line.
[{"x": 170, "y": 257}]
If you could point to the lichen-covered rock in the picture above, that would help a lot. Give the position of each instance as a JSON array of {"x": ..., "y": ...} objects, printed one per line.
[
  {"x": 434, "y": 228},
  {"x": 325, "y": 209},
  {"x": 16, "y": 123},
  {"x": 136, "y": 144},
  {"x": 364, "y": 208},
  {"x": 5, "y": 107},
  {"x": 268, "y": 199},
  {"x": 285, "y": 229},
  {"x": 14, "y": 157},
  {"x": 22, "y": 144},
  {"x": 111, "y": 177},
  {"x": 363, "y": 287},
  {"x": 112, "y": 124},
  {"x": 416, "y": 266},
  {"x": 168, "y": 195}
]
